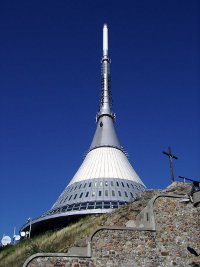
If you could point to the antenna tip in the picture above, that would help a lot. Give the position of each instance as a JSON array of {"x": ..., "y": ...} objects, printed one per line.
[{"x": 105, "y": 40}]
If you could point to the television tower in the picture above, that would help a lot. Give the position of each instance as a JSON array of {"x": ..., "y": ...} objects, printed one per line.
[{"x": 105, "y": 180}]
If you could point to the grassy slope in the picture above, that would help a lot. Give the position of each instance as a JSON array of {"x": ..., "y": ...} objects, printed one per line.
[{"x": 74, "y": 235}]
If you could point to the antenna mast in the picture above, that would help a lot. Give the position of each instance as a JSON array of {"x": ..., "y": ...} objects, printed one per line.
[{"x": 106, "y": 98}]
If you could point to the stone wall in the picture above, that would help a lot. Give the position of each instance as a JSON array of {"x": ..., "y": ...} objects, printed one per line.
[
  {"x": 177, "y": 226},
  {"x": 61, "y": 261},
  {"x": 124, "y": 248}
]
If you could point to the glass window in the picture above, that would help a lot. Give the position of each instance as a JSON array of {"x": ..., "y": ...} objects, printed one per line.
[
  {"x": 93, "y": 194},
  {"x": 99, "y": 193},
  {"x": 131, "y": 195},
  {"x": 95, "y": 184},
  {"x": 125, "y": 193},
  {"x": 91, "y": 205},
  {"x": 106, "y": 205},
  {"x": 122, "y": 184},
  {"x": 114, "y": 205},
  {"x": 89, "y": 184},
  {"x": 76, "y": 207},
  {"x": 70, "y": 197},
  {"x": 64, "y": 209},
  {"x": 75, "y": 188},
  {"x": 128, "y": 185},
  {"x": 106, "y": 183},
  {"x": 66, "y": 198},
  {"x": 101, "y": 183},
  {"x": 113, "y": 193},
  {"x": 75, "y": 196},
  {"x": 83, "y": 207},
  {"x": 85, "y": 185},
  {"x": 111, "y": 183},
  {"x": 71, "y": 188},
  {"x": 98, "y": 205},
  {"x": 132, "y": 186},
  {"x": 80, "y": 186},
  {"x": 117, "y": 183},
  {"x": 106, "y": 193},
  {"x": 119, "y": 193},
  {"x": 81, "y": 195},
  {"x": 87, "y": 194}
]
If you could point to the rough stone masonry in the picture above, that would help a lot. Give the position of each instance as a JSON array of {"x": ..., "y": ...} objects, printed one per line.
[{"x": 159, "y": 237}]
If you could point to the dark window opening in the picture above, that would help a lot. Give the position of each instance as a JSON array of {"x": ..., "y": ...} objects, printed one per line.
[
  {"x": 106, "y": 205},
  {"x": 76, "y": 207},
  {"x": 98, "y": 205},
  {"x": 63, "y": 209},
  {"x": 114, "y": 205},
  {"x": 83, "y": 206},
  {"x": 91, "y": 205}
]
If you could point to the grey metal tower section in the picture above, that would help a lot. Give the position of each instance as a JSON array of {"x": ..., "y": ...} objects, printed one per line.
[
  {"x": 105, "y": 134},
  {"x": 105, "y": 180}
]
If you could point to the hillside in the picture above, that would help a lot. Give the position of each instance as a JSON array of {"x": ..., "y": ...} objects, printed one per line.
[
  {"x": 74, "y": 235},
  {"x": 77, "y": 234}
]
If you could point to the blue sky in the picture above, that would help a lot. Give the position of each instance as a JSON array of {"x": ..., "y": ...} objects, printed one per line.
[{"x": 50, "y": 55}]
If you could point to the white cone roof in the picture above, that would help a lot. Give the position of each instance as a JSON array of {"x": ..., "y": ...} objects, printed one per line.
[{"x": 106, "y": 162}]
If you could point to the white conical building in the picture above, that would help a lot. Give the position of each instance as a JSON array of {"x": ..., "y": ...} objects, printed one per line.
[{"x": 105, "y": 180}]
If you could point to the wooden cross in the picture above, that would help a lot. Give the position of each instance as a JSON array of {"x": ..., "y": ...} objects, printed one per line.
[{"x": 171, "y": 156}]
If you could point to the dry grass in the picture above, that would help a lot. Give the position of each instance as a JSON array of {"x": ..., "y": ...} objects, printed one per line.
[
  {"x": 58, "y": 241},
  {"x": 74, "y": 235}
]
